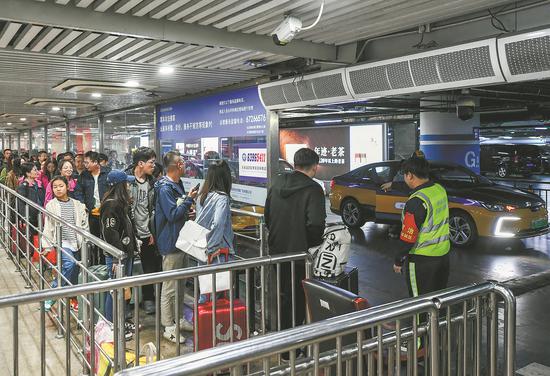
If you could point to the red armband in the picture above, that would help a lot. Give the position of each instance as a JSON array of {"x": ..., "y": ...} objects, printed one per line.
[{"x": 409, "y": 230}]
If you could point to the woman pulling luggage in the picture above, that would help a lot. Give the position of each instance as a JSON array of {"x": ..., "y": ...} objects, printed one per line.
[
  {"x": 214, "y": 213},
  {"x": 74, "y": 212}
]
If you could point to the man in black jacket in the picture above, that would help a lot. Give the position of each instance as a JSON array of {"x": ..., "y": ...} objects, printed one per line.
[
  {"x": 91, "y": 186},
  {"x": 295, "y": 217}
]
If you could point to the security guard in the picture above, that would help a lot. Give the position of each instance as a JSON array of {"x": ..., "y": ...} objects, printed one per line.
[{"x": 424, "y": 231}]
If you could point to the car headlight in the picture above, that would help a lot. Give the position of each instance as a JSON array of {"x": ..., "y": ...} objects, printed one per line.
[{"x": 498, "y": 207}]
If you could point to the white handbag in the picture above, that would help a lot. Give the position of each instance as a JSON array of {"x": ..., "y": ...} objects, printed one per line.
[
  {"x": 192, "y": 240},
  {"x": 222, "y": 282}
]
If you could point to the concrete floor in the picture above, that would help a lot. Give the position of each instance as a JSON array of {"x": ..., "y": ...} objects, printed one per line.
[{"x": 373, "y": 253}]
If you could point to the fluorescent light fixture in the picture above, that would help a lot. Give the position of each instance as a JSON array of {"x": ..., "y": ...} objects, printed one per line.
[
  {"x": 42, "y": 113},
  {"x": 507, "y": 137},
  {"x": 534, "y": 136},
  {"x": 166, "y": 69},
  {"x": 540, "y": 128},
  {"x": 498, "y": 228},
  {"x": 9, "y": 123},
  {"x": 537, "y": 34},
  {"x": 131, "y": 83},
  {"x": 96, "y": 95},
  {"x": 23, "y": 119},
  {"x": 56, "y": 108},
  {"x": 331, "y": 121},
  {"x": 108, "y": 121}
]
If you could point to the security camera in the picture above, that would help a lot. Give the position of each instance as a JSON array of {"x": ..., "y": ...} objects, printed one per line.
[
  {"x": 287, "y": 30},
  {"x": 465, "y": 108}
]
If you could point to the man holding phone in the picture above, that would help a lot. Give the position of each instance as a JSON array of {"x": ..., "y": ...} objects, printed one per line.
[{"x": 171, "y": 211}]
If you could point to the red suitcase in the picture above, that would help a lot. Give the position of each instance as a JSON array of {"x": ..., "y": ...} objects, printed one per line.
[{"x": 222, "y": 323}]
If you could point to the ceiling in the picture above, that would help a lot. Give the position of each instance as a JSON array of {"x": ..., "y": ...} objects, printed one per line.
[{"x": 210, "y": 43}]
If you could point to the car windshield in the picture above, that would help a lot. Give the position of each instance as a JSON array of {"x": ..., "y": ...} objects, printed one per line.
[{"x": 457, "y": 176}]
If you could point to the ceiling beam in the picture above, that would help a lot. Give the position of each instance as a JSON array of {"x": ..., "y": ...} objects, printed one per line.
[{"x": 51, "y": 14}]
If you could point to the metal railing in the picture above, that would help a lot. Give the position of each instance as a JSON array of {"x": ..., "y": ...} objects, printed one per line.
[
  {"x": 237, "y": 270},
  {"x": 450, "y": 334},
  {"x": 256, "y": 231}
]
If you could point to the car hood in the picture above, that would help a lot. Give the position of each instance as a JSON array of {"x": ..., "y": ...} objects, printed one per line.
[{"x": 496, "y": 194}]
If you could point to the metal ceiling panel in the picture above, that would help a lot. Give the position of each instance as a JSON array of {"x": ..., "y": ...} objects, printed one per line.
[
  {"x": 63, "y": 40},
  {"x": 49, "y": 34},
  {"x": 152, "y": 46},
  {"x": 114, "y": 46},
  {"x": 147, "y": 6},
  {"x": 80, "y": 42},
  {"x": 8, "y": 33},
  {"x": 161, "y": 52},
  {"x": 175, "y": 5},
  {"x": 103, "y": 41},
  {"x": 136, "y": 45},
  {"x": 126, "y": 5},
  {"x": 104, "y": 5},
  {"x": 26, "y": 36}
]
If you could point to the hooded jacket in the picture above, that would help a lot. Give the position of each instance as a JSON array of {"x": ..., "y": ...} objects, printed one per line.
[
  {"x": 294, "y": 213},
  {"x": 171, "y": 212}
]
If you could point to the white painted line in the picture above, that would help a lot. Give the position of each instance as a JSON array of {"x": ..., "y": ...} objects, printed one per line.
[{"x": 534, "y": 369}]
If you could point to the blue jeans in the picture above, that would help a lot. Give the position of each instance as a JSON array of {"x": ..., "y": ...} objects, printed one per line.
[
  {"x": 68, "y": 267},
  {"x": 128, "y": 266}
]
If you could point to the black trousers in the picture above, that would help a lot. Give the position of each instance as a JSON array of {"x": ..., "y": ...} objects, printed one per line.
[
  {"x": 95, "y": 254},
  {"x": 286, "y": 294},
  {"x": 427, "y": 274},
  {"x": 151, "y": 262}
]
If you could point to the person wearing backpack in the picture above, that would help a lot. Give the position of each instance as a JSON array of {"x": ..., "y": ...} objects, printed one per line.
[
  {"x": 142, "y": 193},
  {"x": 214, "y": 212}
]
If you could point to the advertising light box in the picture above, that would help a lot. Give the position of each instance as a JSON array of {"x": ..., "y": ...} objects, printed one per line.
[{"x": 340, "y": 149}]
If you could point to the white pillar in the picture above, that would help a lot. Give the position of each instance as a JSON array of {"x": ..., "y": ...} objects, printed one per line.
[{"x": 444, "y": 137}]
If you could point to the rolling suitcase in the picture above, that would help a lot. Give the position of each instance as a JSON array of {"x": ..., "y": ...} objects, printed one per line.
[
  {"x": 101, "y": 272},
  {"x": 222, "y": 323},
  {"x": 348, "y": 280}
]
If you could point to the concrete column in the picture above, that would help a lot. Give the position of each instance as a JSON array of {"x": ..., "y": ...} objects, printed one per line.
[
  {"x": 2, "y": 140},
  {"x": 19, "y": 141},
  {"x": 444, "y": 137},
  {"x": 156, "y": 134},
  {"x": 9, "y": 141},
  {"x": 101, "y": 132},
  {"x": 30, "y": 140}
]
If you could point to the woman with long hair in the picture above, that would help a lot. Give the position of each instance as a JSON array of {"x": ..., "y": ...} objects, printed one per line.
[
  {"x": 31, "y": 189},
  {"x": 214, "y": 212},
  {"x": 74, "y": 212},
  {"x": 117, "y": 229},
  {"x": 48, "y": 171},
  {"x": 65, "y": 169}
]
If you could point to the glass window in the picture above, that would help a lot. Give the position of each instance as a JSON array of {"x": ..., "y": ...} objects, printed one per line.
[
  {"x": 127, "y": 131},
  {"x": 56, "y": 139},
  {"x": 24, "y": 141},
  {"x": 14, "y": 145},
  {"x": 453, "y": 174},
  {"x": 84, "y": 135},
  {"x": 37, "y": 140}
]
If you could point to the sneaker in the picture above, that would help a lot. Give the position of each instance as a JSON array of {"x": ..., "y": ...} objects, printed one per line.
[
  {"x": 170, "y": 334},
  {"x": 149, "y": 307},
  {"x": 48, "y": 304},
  {"x": 74, "y": 305},
  {"x": 186, "y": 326}
]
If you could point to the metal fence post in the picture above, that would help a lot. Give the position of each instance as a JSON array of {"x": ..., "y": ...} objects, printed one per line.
[
  {"x": 27, "y": 250},
  {"x": 17, "y": 235},
  {"x": 60, "y": 310},
  {"x": 120, "y": 318},
  {"x": 84, "y": 260}
]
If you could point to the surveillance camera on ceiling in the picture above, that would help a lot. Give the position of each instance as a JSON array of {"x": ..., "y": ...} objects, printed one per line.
[
  {"x": 291, "y": 26},
  {"x": 287, "y": 30},
  {"x": 465, "y": 108}
]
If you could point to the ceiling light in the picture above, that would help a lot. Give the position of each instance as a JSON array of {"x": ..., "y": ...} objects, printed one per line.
[
  {"x": 166, "y": 70},
  {"x": 23, "y": 119},
  {"x": 56, "y": 109},
  {"x": 42, "y": 113},
  {"x": 131, "y": 83},
  {"x": 96, "y": 95},
  {"x": 256, "y": 63},
  {"x": 108, "y": 121},
  {"x": 9, "y": 123},
  {"x": 540, "y": 128}
]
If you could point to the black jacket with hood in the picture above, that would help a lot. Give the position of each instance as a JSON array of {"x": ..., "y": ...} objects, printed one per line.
[{"x": 294, "y": 213}]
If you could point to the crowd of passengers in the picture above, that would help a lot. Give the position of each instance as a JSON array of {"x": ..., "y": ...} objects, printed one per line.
[{"x": 139, "y": 210}]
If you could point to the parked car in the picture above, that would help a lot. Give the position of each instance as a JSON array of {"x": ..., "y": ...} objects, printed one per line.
[
  {"x": 477, "y": 206},
  {"x": 508, "y": 159}
]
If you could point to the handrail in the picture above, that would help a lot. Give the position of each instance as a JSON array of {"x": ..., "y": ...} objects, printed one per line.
[
  {"x": 248, "y": 213},
  {"x": 210, "y": 360},
  {"x": 145, "y": 279},
  {"x": 115, "y": 252}
]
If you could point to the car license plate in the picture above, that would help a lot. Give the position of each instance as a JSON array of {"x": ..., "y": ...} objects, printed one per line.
[{"x": 539, "y": 223}]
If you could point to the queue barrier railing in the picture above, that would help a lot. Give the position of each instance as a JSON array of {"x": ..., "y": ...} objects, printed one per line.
[
  {"x": 458, "y": 327},
  {"x": 255, "y": 232}
]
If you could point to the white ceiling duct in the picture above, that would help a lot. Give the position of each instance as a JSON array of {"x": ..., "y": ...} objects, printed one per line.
[{"x": 526, "y": 56}]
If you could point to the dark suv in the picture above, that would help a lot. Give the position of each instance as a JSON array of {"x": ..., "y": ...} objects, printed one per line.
[{"x": 507, "y": 159}]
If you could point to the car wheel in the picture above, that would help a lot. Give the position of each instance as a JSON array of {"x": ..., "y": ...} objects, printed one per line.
[
  {"x": 352, "y": 215},
  {"x": 502, "y": 171},
  {"x": 462, "y": 229}
]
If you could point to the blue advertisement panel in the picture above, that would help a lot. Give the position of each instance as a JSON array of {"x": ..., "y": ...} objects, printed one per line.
[
  {"x": 228, "y": 114},
  {"x": 466, "y": 155}
]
